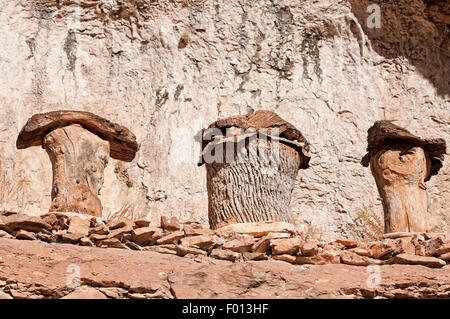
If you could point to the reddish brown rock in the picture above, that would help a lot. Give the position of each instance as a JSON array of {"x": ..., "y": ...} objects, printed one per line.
[
  {"x": 43, "y": 268},
  {"x": 416, "y": 260},
  {"x": 192, "y": 231},
  {"x": 288, "y": 258},
  {"x": 97, "y": 237},
  {"x": 4, "y": 234},
  {"x": 258, "y": 229},
  {"x": 21, "y": 221},
  {"x": 99, "y": 230},
  {"x": 309, "y": 249},
  {"x": 430, "y": 235},
  {"x": 86, "y": 242},
  {"x": 445, "y": 257},
  {"x": 78, "y": 158},
  {"x": 85, "y": 292},
  {"x": 144, "y": 236},
  {"x": 201, "y": 241},
  {"x": 185, "y": 250},
  {"x": 319, "y": 259},
  {"x": 7, "y": 213},
  {"x": 71, "y": 238},
  {"x": 172, "y": 238},
  {"x": 263, "y": 245},
  {"x": 361, "y": 251},
  {"x": 334, "y": 246},
  {"x": 432, "y": 245},
  {"x": 120, "y": 232},
  {"x": 445, "y": 248},
  {"x": 50, "y": 219},
  {"x": 348, "y": 243},
  {"x": 62, "y": 221},
  {"x": 254, "y": 256},
  {"x": 380, "y": 249},
  {"x": 142, "y": 223},
  {"x": 123, "y": 142},
  {"x": 406, "y": 245},
  {"x": 113, "y": 243},
  {"x": 290, "y": 246},
  {"x": 4, "y": 296},
  {"x": 78, "y": 225},
  {"x": 227, "y": 150},
  {"x": 132, "y": 245},
  {"x": 398, "y": 235},
  {"x": 170, "y": 225},
  {"x": 120, "y": 223},
  {"x": 79, "y": 145},
  {"x": 225, "y": 254},
  {"x": 420, "y": 250},
  {"x": 23, "y": 234},
  {"x": 47, "y": 238},
  {"x": 163, "y": 249},
  {"x": 240, "y": 245},
  {"x": 401, "y": 163},
  {"x": 351, "y": 258}
]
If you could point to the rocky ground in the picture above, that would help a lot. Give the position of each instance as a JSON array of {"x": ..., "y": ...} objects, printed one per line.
[
  {"x": 34, "y": 269},
  {"x": 79, "y": 256}
]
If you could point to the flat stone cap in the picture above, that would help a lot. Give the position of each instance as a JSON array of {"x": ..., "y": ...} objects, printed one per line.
[
  {"x": 384, "y": 133},
  {"x": 123, "y": 145},
  {"x": 266, "y": 120}
]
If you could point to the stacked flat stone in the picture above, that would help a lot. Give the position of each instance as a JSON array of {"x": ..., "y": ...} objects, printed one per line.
[{"x": 235, "y": 242}]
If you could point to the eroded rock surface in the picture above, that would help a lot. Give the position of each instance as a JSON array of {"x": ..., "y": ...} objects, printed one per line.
[
  {"x": 401, "y": 163},
  {"x": 47, "y": 269},
  {"x": 167, "y": 69}
]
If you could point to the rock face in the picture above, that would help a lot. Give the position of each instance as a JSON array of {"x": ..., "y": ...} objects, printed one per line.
[
  {"x": 79, "y": 157},
  {"x": 167, "y": 69},
  {"x": 401, "y": 163},
  {"x": 252, "y": 162}
]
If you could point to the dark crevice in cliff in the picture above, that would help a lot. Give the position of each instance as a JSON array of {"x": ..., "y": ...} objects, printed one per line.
[{"x": 417, "y": 30}]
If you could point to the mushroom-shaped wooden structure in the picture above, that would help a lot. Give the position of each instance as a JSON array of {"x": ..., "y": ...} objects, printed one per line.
[
  {"x": 252, "y": 162},
  {"x": 79, "y": 145},
  {"x": 401, "y": 163}
]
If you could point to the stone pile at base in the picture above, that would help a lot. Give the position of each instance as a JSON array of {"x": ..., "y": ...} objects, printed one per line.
[{"x": 234, "y": 242}]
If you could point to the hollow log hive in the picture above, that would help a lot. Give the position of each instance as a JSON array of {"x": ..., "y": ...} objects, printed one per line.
[
  {"x": 401, "y": 163},
  {"x": 79, "y": 145}
]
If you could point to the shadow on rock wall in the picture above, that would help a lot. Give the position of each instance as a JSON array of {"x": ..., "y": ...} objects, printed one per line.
[{"x": 418, "y": 30}]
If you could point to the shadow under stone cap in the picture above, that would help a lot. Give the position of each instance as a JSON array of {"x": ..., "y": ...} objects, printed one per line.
[
  {"x": 264, "y": 119},
  {"x": 384, "y": 133},
  {"x": 123, "y": 145}
]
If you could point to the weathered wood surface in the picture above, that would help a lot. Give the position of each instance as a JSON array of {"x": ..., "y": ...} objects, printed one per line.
[
  {"x": 123, "y": 145},
  {"x": 78, "y": 158},
  {"x": 400, "y": 172},
  {"x": 252, "y": 190},
  {"x": 401, "y": 163},
  {"x": 384, "y": 133}
]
